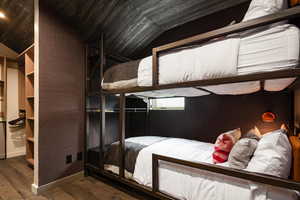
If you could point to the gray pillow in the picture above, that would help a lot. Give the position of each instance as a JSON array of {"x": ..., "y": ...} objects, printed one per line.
[{"x": 242, "y": 151}]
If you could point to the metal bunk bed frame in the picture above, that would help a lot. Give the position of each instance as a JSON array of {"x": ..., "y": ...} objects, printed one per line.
[{"x": 154, "y": 191}]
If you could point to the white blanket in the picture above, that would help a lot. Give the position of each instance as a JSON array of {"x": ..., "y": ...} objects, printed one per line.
[
  {"x": 212, "y": 60},
  {"x": 190, "y": 184}
]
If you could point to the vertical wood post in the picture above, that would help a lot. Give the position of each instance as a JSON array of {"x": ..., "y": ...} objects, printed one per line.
[
  {"x": 86, "y": 53},
  {"x": 122, "y": 135},
  {"x": 155, "y": 180},
  {"x": 102, "y": 102},
  {"x": 102, "y": 130},
  {"x": 155, "y": 68},
  {"x": 5, "y": 102}
]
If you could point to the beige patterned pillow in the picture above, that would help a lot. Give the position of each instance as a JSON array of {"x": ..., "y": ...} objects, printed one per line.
[{"x": 243, "y": 150}]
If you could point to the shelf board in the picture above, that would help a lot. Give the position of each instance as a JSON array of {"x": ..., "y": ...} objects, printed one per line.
[
  {"x": 30, "y": 118},
  {"x": 30, "y": 74},
  {"x": 30, "y": 139},
  {"x": 30, "y": 161},
  {"x": 30, "y": 97}
]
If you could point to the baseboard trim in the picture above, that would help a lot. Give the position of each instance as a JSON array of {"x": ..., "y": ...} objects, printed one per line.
[
  {"x": 16, "y": 154},
  {"x": 43, "y": 188}
]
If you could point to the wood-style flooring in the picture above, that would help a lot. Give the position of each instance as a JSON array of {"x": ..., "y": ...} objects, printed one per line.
[{"x": 16, "y": 178}]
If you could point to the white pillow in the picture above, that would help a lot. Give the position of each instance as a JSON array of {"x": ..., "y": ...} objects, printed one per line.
[
  {"x": 260, "y": 8},
  {"x": 273, "y": 155}
]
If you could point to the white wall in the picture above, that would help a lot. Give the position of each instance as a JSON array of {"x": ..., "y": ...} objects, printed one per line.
[{"x": 15, "y": 136}]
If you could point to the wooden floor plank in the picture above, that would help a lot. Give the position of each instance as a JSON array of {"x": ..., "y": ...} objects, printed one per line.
[
  {"x": 16, "y": 178},
  {"x": 19, "y": 181},
  {"x": 103, "y": 193},
  {"x": 77, "y": 192},
  {"x": 7, "y": 191},
  {"x": 22, "y": 168},
  {"x": 57, "y": 194}
]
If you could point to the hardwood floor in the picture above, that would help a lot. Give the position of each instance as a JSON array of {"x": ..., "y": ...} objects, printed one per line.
[{"x": 16, "y": 178}]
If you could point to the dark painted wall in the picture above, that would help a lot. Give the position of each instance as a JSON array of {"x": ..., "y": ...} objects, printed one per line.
[
  {"x": 61, "y": 98},
  {"x": 201, "y": 25},
  {"x": 206, "y": 117}
]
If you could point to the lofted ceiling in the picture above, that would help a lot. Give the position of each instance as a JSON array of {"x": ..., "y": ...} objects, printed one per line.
[{"x": 129, "y": 25}]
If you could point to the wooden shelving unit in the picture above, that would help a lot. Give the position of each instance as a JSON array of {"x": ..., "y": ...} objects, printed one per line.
[
  {"x": 30, "y": 97},
  {"x": 30, "y": 161},
  {"x": 3, "y": 105},
  {"x": 3, "y": 88},
  {"x": 30, "y": 139},
  {"x": 30, "y": 74},
  {"x": 29, "y": 104}
]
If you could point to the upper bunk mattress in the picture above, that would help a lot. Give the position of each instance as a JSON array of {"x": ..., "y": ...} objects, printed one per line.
[{"x": 271, "y": 49}]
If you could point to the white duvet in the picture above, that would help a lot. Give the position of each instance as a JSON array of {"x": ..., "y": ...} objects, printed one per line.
[
  {"x": 213, "y": 60},
  {"x": 190, "y": 184}
]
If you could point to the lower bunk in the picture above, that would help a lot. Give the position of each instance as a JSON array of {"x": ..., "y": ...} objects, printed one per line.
[{"x": 270, "y": 155}]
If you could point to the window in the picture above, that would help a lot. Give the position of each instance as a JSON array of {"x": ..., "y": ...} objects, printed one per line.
[{"x": 177, "y": 103}]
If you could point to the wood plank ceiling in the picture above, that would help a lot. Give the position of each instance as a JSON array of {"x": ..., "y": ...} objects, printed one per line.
[
  {"x": 129, "y": 25},
  {"x": 16, "y": 31}
]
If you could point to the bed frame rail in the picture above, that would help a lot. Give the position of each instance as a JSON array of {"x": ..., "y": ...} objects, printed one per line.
[{"x": 250, "y": 176}]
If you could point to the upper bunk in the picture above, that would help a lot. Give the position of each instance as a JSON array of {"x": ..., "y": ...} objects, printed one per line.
[{"x": 260, "y": 53}]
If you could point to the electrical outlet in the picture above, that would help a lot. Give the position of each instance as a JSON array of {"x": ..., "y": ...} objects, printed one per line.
[
  {"x": 68, "y": 159},
  {"x": 79, "y": 156}
]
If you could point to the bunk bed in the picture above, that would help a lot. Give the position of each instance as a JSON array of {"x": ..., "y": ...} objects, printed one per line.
[{"x": 242, "y": 65}]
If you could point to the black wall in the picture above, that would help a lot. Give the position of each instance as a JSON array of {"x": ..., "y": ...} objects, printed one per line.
[
  {"x": 201, "y": 25},
  {"x": 204, "y": 118}
]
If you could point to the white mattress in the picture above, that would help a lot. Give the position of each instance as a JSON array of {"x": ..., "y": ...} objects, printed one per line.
[
  {"x": 187, "y": 183},
  {"x": 274, "y": 49}
]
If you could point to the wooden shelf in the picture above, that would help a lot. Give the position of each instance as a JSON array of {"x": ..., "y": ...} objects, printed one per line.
[
  {"x": 30, "y": 161},
  {"x": 30, "y": 97},
  {"x": 30, "y": 139},
  {"x": 29, "y": 102},
  {"x": 30, "y": 74}
]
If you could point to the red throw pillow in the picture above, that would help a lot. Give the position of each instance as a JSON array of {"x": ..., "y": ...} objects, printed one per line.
[{"x": 224, "y": 145}]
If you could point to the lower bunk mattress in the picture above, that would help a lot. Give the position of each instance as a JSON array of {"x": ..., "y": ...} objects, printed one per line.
[
  {"x": 270, "y": 49},
  {"x": 183, "y": 182}
]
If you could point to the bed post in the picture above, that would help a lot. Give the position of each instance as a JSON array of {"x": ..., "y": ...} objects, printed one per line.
[
  {"x": 102, "y": 102},
  {"x": 155, "y": 178},
  {"x": 122, "y": 135},
  {"x": 155, "y": 68}
]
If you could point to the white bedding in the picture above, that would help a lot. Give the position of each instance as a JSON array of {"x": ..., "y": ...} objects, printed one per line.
[
  {"x": 269, "y": 50},
  {"x": 272, "y": 49},
  {"x": 190, "y": 184},
  {"x": 217, "y": 59}
]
